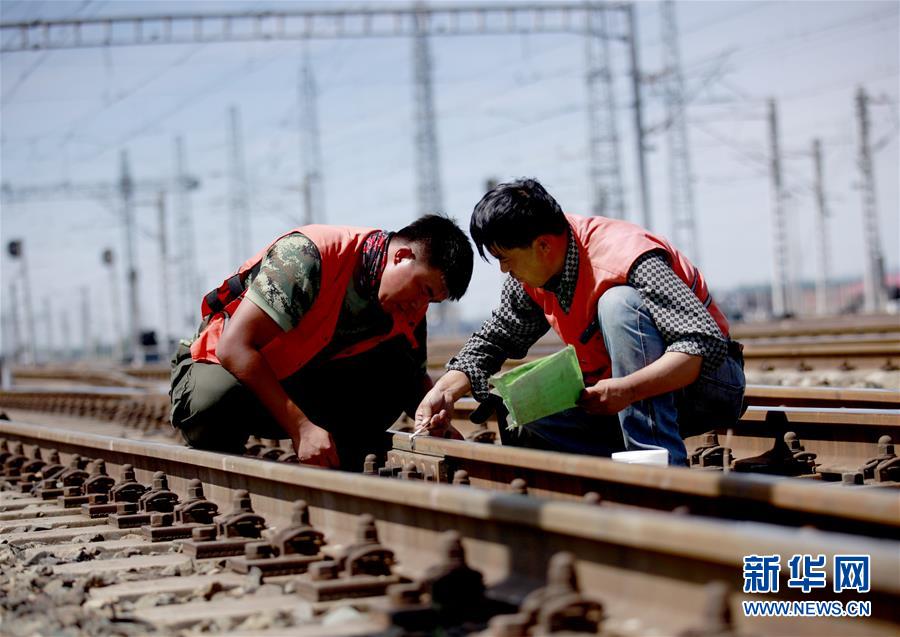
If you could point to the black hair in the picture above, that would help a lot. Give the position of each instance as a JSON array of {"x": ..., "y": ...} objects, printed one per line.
[
  {"x": 446, "y": 247},
  {"x": 513, "y": 215}
]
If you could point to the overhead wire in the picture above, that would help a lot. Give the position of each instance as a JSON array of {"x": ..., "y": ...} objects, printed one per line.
[{"x": 37, "y": 63}]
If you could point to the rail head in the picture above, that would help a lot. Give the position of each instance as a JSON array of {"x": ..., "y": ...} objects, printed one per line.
[{"x": 880, "y": 506}]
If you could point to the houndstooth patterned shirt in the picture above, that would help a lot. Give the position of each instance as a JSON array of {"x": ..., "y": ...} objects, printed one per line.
[{"x": 685, "y": 324}]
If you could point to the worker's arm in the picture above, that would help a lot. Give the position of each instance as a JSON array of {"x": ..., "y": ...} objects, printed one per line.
[
  {"x": 671, "y": 371},
  {"x": 239, "y": 351},
  {"x": 509, "y": 333}
]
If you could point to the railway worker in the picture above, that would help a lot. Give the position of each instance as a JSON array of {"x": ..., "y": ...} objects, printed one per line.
[
  {"x": 652, "y": 344},
  {"x": 320, "y": 337}
]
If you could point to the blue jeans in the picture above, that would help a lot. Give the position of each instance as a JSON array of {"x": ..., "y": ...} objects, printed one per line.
[{"x": 633, "y": 342}]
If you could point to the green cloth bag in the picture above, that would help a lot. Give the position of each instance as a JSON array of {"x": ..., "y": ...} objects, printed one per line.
[{"x": 540, "y": 388}]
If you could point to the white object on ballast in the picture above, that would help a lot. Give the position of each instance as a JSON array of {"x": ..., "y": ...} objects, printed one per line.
[{"x": 642, "y": 456}]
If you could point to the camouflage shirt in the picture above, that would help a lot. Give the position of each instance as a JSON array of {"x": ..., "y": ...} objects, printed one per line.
[{"x": 288, "y": 283}]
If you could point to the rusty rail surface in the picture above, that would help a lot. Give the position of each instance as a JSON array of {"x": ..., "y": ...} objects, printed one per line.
[
  {"x": 638, "y": 571},
  {"x": 717, "y": 493}
]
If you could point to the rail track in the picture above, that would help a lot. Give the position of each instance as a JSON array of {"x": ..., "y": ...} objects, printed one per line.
[
  {"x": 639, "y": 571},
  {"x": 148, "y": 410},
  {"x": 832, "y": 440},
  {"x": 836, "y": 343},
  {"x": 644, "y": 541}
]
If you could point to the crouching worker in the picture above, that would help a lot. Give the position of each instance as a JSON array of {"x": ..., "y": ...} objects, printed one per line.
[
  {"x": 321, "y": 338},
  {"x": 652, "y": 344}
]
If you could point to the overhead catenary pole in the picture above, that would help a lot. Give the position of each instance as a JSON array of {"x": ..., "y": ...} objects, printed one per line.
[
  {"x": 133, "y": 309},
  {"x": 873, "y": 281},
  {"x": 429, "y": 189},
  {"x": 239, "y": 208},
  {"x": 823, "y": 254},
  {"x": 638, "y": 112},
  {"x": 604, "y": 161},
  {"x": 681, "y": 183},
  {"x": 109, "y": 260},
  {"x": 311, "y": 151},
  {"x": 29, "y": 310},
  {"x": 15, "y": 345},
  {"x": 87, "y": 350},
  {"x": 780, "y": 306},
  {"x": 188, "y": 279},
  {"x": 49, "y": 345},
  {"x": 65, "y": 330},
  {"x": 16, "y": 250},
  {"x": 166, "y": 331},
  {"x": 429, "y": 192}
]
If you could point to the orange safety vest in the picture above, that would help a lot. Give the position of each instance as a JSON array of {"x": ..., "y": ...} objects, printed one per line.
[
  {"x": 339, "y": 249},
  {"x": 607, "y": 248}
]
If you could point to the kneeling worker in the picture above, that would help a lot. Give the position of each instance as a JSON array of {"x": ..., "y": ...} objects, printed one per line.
[
  {"x": 321, "y": 338},
  {"x": 651, "y": 343}
]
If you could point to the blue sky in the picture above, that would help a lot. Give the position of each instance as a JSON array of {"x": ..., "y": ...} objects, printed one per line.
[{"x": 507, "y": 106}]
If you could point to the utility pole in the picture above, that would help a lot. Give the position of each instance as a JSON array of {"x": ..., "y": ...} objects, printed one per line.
[
  {"x": 822, "y": 275},
  {"x": 126, "y": 190},
  {"x": 681, "y": 183},
  {"x": 87, "y": 348},
  {"x": 240, "y": 215},
  {"x": 189, "y": 284},
  {"x": 638, "y": 111},
  {"x": 429, "y": 191},
  {"x": 15, "y": 346},
  {"x": 874, "y": 297},
  {"x": 312, "y": 187},
  {"x": 430, "y": 196},
  {"x": 66, "y": 335},
  {"x": 164, "y": 272},
  {"x": 16, "y": 249},
  {"x": 604, "y": 162},
  {"x": 780, "y": 306},
  {"x": 109, "y": 260},
  {"x": 48, "y": 330}
]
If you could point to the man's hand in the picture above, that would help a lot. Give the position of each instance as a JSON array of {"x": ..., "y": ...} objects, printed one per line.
[
  {"x": 433, "y": 415},
  {"x": 315, "y": 446},
  {"x": 433, "y": 412},
  {"x": 608, "y": 396}
]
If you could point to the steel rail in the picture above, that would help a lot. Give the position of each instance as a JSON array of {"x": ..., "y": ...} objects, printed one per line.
[
  {"x": 640, "y": 563},
  {"x": 731, "y": 495},
  {"x": 756, "y": 395},
  {"x": 865, "y": 324},
  {"x": 775, "y": 395},
  {"x": 826, "y": 400},
  {"x": 867, "y": 352}
]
